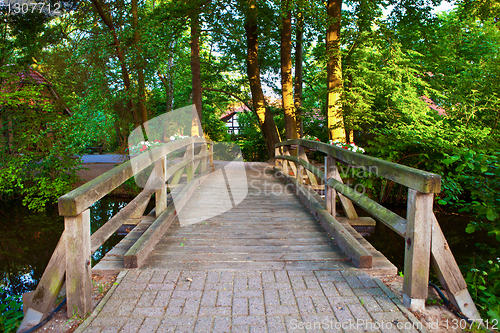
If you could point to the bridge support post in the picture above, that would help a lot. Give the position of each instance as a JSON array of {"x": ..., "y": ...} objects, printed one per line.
[
  {"x": 277, "y": 161},
  {"x": 330, "y": 193},
  {"x": 417, "y": 249},
  {"x": 204, "y": 160},
  {"x": 190, "y": 167},
  {"x": 300, "y": 169},
  {"x": 211, "y": 153},
  {"x": 161, "y": 192},
  {"x": 78, "y": 264}
]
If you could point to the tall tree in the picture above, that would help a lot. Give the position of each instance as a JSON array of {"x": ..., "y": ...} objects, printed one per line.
[
  {"x": 139, "y": 63},
  {"x": 106, "y": 19},
  {"x": 297, "y": 93},
  {"x": 286, "y": 73},
  {"x": 264, "y": 115},
  {"x": 334, "y": 71},
  {"x": 195, "y": 68}
]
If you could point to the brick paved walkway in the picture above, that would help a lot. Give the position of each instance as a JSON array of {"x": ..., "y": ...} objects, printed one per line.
[{"x": 249, "y": 301}]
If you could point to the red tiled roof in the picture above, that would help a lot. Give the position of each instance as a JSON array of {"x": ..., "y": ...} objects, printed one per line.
[
  {"x": 230, "y": 112},
  {"x": 430, "y": 103}
]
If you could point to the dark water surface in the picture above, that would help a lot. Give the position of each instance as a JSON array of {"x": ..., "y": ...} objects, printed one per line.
[{"x": 28, "y": 239}]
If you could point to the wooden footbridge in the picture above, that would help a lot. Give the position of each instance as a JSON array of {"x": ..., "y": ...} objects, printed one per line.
[{"x": 215, "y": 215}]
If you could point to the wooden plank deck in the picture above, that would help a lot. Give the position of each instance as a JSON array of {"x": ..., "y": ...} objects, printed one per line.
[{"x": 269, "y": 230}]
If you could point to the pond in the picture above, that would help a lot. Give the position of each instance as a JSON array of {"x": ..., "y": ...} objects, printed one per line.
[{"x": 28, "y": 240}]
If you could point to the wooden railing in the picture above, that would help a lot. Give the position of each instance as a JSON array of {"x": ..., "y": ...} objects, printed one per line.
[
  {"x": 71, "y": 260},
  {"x": 425, "y": 244}
]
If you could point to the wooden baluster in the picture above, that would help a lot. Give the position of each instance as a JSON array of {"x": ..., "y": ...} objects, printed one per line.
[
  {"x": 211, "y": 152},
  {"x": 204, "y": 160},
  {"x": 310, "y": 175},
  {"x": 330, "y": 193},
  {"x": 300, "y": 169},
  {"x": 78, "y": 264},
  {"x": 417, "y": 249},
  {"x": 291, "y": 164},
  {"x": 349, "y": 209},
  {"x": 190, "y": 167},
  {"x": 161, "y": 191},
  {"x": 285, "y": 162},
  {"x": 277, "y": 161}
]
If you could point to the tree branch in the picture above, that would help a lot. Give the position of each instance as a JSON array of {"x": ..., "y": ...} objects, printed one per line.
[{"x": 230, "y": 94}]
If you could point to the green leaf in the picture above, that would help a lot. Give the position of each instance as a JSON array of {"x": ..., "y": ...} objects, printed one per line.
[
  {"x": 470, "y": 229},
  {"x": 491, "y": 214},
  {"x": 442, "y": 202}
]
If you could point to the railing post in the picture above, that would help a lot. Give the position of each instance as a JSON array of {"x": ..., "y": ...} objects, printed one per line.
[
  {"x": 300, "y": 169},
  {"x": 211, "y": 153},
  {"x": 78, "y": 264},
  {"x": 285, "y": 162},
  {"x": 330, "y": 193},
  {"x": 204, "y": 160},
  {"x": 276, "y": 153},
  {"x": 190, "y": 167},
  {"x": 160, "y": 170},
  {"x": 417, "y": 249}
]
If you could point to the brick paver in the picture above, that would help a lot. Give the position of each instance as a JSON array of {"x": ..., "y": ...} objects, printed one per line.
[{"x": 250, "y": 301}]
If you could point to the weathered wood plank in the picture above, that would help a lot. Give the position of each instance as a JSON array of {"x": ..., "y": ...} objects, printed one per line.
[
  {"x": 421, "y": 181},
  {"x": 448, "y": 273},
  {"x": 52, "y": 281},
  {"x": 362, "y": 221},
  {"x": 104, "y": 232},
  {"x": 159, "y": 172},
  {"x": 248, "y": 257},
  {"x": 330, "y": 193},
  {"x": 167, "y": 248},
  {"x": 312, "y": 178},
  {"x": 78, "y": 265},
  {"x": 417, "y": 249},
  {"x": 346, "y": 203},
  {"x": 253, "y": 265},
  {"x": 360, "y": 256},
  {"x": 301, "y": 153},
  {"x": 173, "y": 240},
  {"x": 136, "y": 255}
]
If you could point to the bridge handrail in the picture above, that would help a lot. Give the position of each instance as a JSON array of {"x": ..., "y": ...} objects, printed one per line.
[
  {"x": 423, "y": 236},
  {"x": 422, "y": 181},
  {"x": 79, "y": 199},
  {"x": 71, "y": 260}
]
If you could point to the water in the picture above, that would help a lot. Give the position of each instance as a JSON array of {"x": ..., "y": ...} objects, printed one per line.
[{"x": 28, "y": 240}]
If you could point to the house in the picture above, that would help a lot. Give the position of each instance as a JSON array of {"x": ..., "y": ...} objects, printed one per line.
[
  {"x": 230, "y": 117},
  {"x": 18, "y": 106}
]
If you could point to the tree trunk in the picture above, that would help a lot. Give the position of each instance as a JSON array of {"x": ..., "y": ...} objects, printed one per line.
[
  {"x": 334, "y": 72},
  {"x": 195, "y": 71},
  {"x": 139, "y": 62},
  {"x": 265, "y": 117},
  {"x": 298, "y": 76},
  {"x": 286, "y": 77},
  {"x": 119, "y": 54}
]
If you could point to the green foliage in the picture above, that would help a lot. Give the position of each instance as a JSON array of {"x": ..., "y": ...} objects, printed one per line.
[
  {"x": 36, "y": 160},
  {"x": 11, "y": 313},
  {"x": 251, "y": 141},
  {"x": 482, "y": 278}
]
